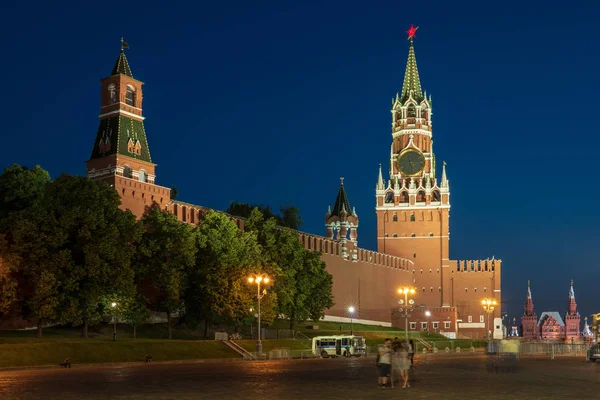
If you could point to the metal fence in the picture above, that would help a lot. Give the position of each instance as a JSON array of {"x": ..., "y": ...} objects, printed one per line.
[
  {"x": 272, "y": 333},
  {"x": 534, "y": 349}
]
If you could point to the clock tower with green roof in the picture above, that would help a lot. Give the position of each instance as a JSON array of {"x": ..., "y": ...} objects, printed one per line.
[{"x": 120, "y": 155}]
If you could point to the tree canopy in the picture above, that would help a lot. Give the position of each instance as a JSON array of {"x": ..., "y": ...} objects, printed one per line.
[{"x": 68, "y": 251}]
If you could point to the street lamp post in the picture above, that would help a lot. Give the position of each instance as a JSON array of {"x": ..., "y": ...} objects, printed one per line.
[
  {"x": 258, "y": 279},
  {"x": 114, "y": 308},
  {"x": 407, "y": 304},
  {"x": 488, "y": 307},
  {"x": 351, "y": 312},
  {"x": 427, "y": 314}
]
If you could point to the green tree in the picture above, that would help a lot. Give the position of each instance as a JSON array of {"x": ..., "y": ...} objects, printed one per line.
[
  {"x": 302, "y": 284},
  {"x": 165, "y": 254},
  {"x": 20, "y": 187},
  {"x": 218, "y": 290},
  {"x": 288, "y": 217},
  {"x": 8, "y": 278},
  {"x": 76, "y": 247},
  {"x": 136, "y": 311}
]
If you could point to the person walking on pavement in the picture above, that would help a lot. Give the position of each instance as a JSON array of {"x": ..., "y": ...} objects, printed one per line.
[{"x": 384, "y": 363}]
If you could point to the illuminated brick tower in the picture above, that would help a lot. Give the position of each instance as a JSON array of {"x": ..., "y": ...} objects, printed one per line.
[
  {"x": 341, "y": 224},
  {"x": 572, "y": 318},
  {"x": 121, "y": 156},
  {"x": 413, "y": 212},
  {"x": 529, "y": 319}
]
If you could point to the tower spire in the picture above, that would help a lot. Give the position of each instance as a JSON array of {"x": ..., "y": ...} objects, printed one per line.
[
  {"x": 380, "y": 185},
  {"x": 572, "y": 292},
  {"x": 412, "y": 84},
  {"x": 121, "y": 65},
  {"x": 444, "y": 177}
]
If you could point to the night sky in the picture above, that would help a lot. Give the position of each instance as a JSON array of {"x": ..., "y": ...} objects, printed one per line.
[{"x": 273, "y": 103}]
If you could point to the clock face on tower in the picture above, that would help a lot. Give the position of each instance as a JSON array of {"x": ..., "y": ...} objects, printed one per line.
[{"x": 411, "y": 162}]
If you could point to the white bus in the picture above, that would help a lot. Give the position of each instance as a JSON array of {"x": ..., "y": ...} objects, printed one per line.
[{"x": 342, "y": 345}]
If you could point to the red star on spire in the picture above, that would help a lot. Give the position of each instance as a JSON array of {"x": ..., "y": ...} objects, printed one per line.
[{"x": 412, "y": 31}]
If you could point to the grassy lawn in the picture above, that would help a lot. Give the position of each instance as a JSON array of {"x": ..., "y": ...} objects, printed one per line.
[
  {"x": 30, "y": 353},
  {"x": 22, "y": 348}
]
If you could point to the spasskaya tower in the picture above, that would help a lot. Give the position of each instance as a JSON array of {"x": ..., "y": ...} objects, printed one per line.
[{"x": 413, "y": 210}]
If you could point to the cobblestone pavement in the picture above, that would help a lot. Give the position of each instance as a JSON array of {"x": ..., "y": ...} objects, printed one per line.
[{"x": 444, "y": 376}]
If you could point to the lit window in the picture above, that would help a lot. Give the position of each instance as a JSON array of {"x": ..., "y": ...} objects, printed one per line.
[
  {"x": 112, "y": 91},
  {"x": 130, "y": 95}
]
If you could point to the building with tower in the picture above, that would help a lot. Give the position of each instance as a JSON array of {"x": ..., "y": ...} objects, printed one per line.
[
  {"x": 121, "y": 155},
  {"x": 551, "y": 326},
  {"x": 413, "y": 210},
  {"x": 529, "y": 318}
]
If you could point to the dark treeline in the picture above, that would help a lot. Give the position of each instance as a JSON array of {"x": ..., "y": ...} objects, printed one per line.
[{"x": 67, "y": 253}]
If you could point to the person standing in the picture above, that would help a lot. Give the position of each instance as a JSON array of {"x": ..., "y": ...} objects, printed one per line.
[
  {"x": 385, "y": 363},
  {"x": 402, "y": 364},
  {"x": 411, "y": 352}
]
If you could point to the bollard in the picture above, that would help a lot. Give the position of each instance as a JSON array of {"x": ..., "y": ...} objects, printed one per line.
[
  {"x": 435, "y": 349},
  {"x": 472, "y": 349},
  {"x": 458, "y": 349},
  {"x": 447, "y": 350}
]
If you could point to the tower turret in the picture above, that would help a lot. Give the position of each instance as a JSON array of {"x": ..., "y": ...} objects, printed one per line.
[
  {"x": 572, "y": 318},
  {"x": 120, "y": 154},
  {"x": 341, "y": 223},
  {"x": 529, "y": 318}
]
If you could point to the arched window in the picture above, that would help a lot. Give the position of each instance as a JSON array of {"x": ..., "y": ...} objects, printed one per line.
[
  {"x": 430, "y": 234},
  {"x": 431, "y": 289},
  {"x": 423, "y": 289},
  {"x": 439, "y": 289},
  {"x": 411, "y": 111},
  {"x": 395, "y": 235},
  {"x": 127, "y": 172},
  {"x": 421, "y": 198},
  {"x": 389, "y": 197},
  {"x": 112, "y": 93},
  {"x": 412, "y": 217},
  {"x": 424, "y": 113},
  {"x": 413, "y": 235},
  {"x": 130, "y": 95},
  {"x": 435, "y": 195},
  {"x": 143, "y": 176},
  {"x": 395, "y": 218},
  {"x": 404, "y": 197}
]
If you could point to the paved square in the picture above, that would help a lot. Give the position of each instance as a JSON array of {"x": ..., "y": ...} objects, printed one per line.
[{"x": 441, "y": 376}]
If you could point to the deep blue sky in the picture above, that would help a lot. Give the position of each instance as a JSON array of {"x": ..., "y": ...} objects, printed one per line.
[{"x": 273, "y": 103}]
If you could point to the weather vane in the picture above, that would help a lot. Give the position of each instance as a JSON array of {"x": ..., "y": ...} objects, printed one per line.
[
  {"x": 412, "y": 31},
  {"x": 124, "y": 44}
]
